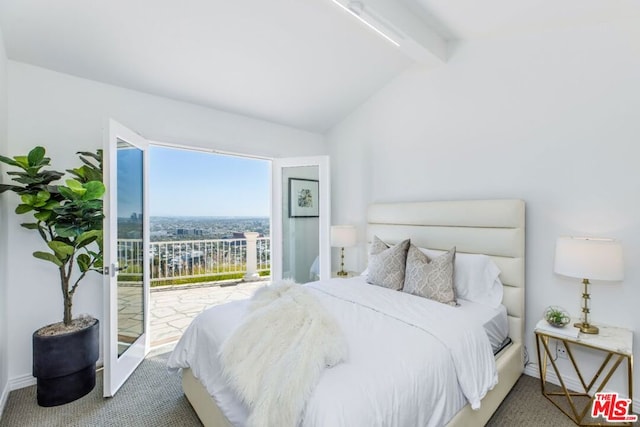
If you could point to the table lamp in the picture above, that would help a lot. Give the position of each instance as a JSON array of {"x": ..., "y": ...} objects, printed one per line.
[
  {"x": 343, "y": 236},
  {"x": 588, "y": 258}
]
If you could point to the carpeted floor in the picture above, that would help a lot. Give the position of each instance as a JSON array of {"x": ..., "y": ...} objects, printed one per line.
[
  {"x": 153, "y": 397},
  {"x": 526, "y": 406}
]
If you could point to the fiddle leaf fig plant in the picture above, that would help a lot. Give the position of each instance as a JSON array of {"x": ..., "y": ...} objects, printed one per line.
[{"x": 68, "y": 217}]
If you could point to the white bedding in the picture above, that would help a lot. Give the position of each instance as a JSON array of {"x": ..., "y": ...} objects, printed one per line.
[
  {"x": 397, "y": 374},
  {"x": 494, "y": 321}
]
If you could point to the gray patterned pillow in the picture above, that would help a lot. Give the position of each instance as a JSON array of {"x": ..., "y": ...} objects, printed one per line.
[
  {"x": 387, "y": 264},
  {"x": 431, "y": 279}
]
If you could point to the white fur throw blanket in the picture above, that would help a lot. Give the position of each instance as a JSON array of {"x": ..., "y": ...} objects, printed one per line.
[{"x": 273, "y": 360}]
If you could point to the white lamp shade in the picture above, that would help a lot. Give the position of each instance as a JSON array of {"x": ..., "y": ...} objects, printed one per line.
[
  {"x": 343, "y": 236},
  {"x": 589, "y": 258}
]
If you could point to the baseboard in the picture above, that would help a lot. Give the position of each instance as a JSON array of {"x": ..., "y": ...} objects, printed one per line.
[
  {"x": 572, "y": 383},
  {"x": 14, "y": 384},
  {"x": 22, "y": 381},
  {"x": 3, "y": 398}
]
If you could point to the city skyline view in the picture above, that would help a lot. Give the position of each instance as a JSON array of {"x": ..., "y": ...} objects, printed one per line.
[
  {"x": 173, "y": 228},
  {"x": 167, "y": 228}
]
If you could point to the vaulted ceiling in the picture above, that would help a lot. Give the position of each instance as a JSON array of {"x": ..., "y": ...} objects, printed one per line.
[{"x": 300, "y": 63}]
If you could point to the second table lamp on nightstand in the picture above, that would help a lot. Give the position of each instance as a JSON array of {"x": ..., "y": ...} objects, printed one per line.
[
  {"x": 343, "y": 236},
  {"x": 588, "y": 258}
]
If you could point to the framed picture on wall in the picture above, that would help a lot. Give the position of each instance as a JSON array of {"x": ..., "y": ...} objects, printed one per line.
[{"x": 303, "y": 198}]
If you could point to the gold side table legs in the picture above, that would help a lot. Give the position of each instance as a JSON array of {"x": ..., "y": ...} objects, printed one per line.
[{"x": 580, "y": 416}]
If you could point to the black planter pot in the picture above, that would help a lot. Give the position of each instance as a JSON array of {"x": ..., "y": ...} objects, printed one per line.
[{"x": 65, "y": 365}]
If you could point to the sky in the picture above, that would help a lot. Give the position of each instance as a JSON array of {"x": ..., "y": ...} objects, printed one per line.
[
  {"x": 129, "y": 181},
  {"x": 194, "y": 183}
]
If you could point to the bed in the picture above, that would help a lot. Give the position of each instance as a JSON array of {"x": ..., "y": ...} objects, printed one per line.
[{"x": 492, "y": 227}]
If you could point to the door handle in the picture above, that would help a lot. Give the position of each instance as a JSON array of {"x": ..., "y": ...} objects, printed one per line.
[{"x": 113, "y": 269}]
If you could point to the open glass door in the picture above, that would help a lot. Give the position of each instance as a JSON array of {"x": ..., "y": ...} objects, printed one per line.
[
  {"x": 300, "y": 219},
  {"x": 126, "y": 237}
]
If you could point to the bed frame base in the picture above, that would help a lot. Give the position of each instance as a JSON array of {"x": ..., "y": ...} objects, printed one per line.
[
  {"x": 204, "y": 405},
  {"x": 509, "y": 365}
]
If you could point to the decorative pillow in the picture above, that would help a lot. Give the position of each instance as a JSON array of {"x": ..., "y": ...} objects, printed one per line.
[
  {"x": 476, "y": 278},
  {"x": 430, "y": 278},
  {"x": 387, "y": 264}
]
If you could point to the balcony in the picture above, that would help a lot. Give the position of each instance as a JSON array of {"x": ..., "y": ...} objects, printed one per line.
[
  {"x": 187, "y": 277},
  {"x": 194, "y": 261}
]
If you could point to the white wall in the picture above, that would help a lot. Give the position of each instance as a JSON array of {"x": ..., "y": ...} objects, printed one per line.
[
  {"x": 4, "y": 364},
  {"x": 66, "y": 114},
  {"x": 551, "y": 118}
]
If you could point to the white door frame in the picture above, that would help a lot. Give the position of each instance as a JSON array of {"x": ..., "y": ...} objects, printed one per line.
[
  {"x": 118, "y": 369},
  {"x": 277, "y": 214}
]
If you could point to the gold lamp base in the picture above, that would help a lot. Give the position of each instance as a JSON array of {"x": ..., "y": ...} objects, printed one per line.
[
  {"x": 587, "y": 328},
  {"x": 584, "y": 326},
  {"x": 342, "y": 273}
]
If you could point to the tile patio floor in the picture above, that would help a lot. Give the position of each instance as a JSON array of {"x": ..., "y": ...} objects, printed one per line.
[{"x": 173, "y": 309}]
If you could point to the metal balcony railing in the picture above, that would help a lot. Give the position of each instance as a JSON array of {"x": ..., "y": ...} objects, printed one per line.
[{"x": 185, "y": 260}]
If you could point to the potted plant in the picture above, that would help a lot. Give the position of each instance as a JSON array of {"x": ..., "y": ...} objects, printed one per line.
[
  {"x": 68, "y": 218},
  {"x": 557, "y": 316}
]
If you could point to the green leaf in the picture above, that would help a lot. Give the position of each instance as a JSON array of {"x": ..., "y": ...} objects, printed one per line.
[
  {"x": 43, "y": 196},
  {"x": 84, "y": 262},
  {"x": 95, "y": 190},
  {"x": 30, "y": 225},
  {"x": 94, "y": 204},
  {"x": 9, "y": 161},
  {"x": 27, "y": 179},
  {"x": 48, "y": 257},
  {"x": 28, "y": 199},
  {"x": 23, "y": 161},
  {"x": 87, "y": 242},
  {"x": 87, "y": 172},
  {"x": 35, "y": 156},
  {"x": 88, "y": 237},
  {"x": 76, "y": 186},
  {"x": 79, "y": 172},
  {"x": 7, "y": 187},
  {"x": 43, "y": 234},
  {"x": 42, "y": 215},
  {"x": 33, "y": 170},
  {"x": 51, "y": 204},
  {"x": 67, "y": 193},
  {"x": 93, "y": 175},
  {"x": 98, "y": 263},
  {"x": 22, "y": 209},
  {"x": 48, "y": 176},
  {"x": 97, "y": 155},
  {"x": 61, "y": 249},
  {"x": 68, "y": 231}
]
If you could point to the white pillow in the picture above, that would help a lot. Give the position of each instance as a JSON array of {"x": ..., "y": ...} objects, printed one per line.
[
  {"x": 430, "y": 277},
  {"x": 475, "y": 277},
  {"x": 387, "y": 264},
  {"x": 365, "y": 272}
]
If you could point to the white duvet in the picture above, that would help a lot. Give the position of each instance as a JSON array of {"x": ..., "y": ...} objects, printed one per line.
[{"x": 412, "y": 361}]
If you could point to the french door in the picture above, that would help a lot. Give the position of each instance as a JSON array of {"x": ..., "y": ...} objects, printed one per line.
[
  {"x": 300, "y": 219},
  {"x": 300, "y": 246},
  {"x": 126, "y": 243}
]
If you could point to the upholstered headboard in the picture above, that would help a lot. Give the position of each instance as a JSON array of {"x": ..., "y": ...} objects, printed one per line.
[{"x": 492, "y": 227}]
